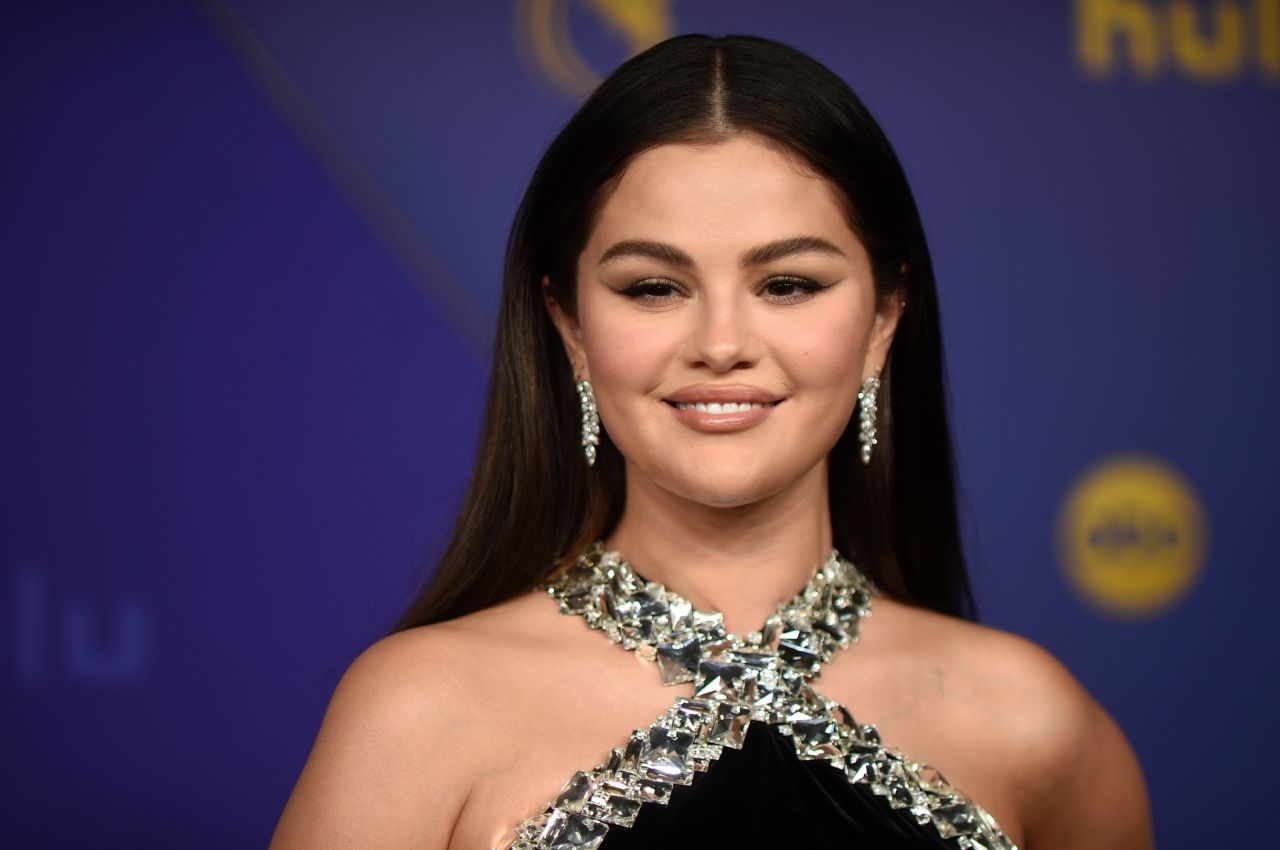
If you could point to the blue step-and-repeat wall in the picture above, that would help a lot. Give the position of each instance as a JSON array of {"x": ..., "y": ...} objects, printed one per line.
[{"x": 251, "y": 252}]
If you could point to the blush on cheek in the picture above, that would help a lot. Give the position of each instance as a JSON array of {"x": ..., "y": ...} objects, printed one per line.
[
  {"x": 629, "y": 362},
  {"x": 626, "y": 360},
  {"x": 829, "y": 354}
]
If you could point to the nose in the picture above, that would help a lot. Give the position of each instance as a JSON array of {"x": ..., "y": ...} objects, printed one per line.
[{"x": 723, "y": 337}]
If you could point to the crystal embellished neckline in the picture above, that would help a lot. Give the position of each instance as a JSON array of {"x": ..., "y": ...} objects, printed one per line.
[
  {"x": 661, "y": 625},
  {"x": 765, "y": 676}
]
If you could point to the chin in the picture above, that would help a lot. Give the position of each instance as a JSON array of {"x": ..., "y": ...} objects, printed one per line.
[{"x": 722, "y": 492}]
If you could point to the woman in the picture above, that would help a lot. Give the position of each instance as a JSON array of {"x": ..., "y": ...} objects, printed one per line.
[{"x": 716, "y": 263}]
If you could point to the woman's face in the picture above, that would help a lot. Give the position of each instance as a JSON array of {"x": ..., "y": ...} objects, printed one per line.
[{"x": 715, "y": 274}]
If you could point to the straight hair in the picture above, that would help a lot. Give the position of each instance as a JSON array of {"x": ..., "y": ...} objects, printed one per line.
[{"x": 532, "y": 504}]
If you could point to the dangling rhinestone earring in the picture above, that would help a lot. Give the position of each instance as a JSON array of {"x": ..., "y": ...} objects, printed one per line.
[
  {"x": 867, "y": 416},
  {"x": 590, "y": 420}
]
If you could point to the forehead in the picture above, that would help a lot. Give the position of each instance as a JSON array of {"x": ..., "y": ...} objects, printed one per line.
[{"x": 743, "y": 190}]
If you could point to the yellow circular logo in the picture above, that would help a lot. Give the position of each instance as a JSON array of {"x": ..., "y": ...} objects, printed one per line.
[{"x": 1132, "y": 536}]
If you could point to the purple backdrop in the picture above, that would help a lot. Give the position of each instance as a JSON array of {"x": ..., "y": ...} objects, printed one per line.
[{"x": 251, "y": 257}]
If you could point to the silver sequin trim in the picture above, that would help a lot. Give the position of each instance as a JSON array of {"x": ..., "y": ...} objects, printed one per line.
[{"x": 762, "y": 677}]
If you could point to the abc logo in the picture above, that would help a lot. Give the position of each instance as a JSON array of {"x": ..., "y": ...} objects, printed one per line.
[{"x": 1131, "y": 536}]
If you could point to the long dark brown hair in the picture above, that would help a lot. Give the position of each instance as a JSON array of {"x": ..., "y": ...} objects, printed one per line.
[{"x": 533, "y": 503}]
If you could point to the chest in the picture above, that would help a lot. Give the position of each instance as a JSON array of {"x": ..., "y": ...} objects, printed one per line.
[
  {"x": 544, "y": 735},
  {"x": 563, "y": 716},
  {"x": 935, "y": 715}
]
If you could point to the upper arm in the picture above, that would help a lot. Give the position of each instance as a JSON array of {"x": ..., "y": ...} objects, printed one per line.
[
  {"x": 1083, "y": 786},
  {"x": 382, "y": 772}
]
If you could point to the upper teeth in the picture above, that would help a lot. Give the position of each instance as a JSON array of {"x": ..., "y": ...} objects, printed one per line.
[{"x": 721, "y": 407}]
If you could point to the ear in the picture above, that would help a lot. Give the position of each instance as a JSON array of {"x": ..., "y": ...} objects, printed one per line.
[
  {"x": 569, "y": 329},
  {"x": 889, "y": 310}
]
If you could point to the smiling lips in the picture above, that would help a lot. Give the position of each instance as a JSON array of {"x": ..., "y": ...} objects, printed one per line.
[{"x": 719, "y": 408}]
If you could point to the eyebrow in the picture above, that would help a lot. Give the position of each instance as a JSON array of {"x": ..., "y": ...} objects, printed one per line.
[{"x": 757, "y": 256}]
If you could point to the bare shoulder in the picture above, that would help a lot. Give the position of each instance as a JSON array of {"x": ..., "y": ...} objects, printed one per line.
[
  {"x": 404, "y": 734},
  {"x": 1077, "y": 780}
]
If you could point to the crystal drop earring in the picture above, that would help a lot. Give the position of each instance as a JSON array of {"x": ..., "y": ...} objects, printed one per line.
[
  {"x": 867, "y": 416},
  {"x": 590, "y": 420}
]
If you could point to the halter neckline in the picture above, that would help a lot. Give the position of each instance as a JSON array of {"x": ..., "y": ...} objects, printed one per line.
[
  {"x": 660, "y": 624},
  {"x": 766, "y": 676}
]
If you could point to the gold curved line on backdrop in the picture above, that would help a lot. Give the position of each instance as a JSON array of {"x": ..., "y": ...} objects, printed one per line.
[
  {"x": 356, "y": 185},
  {"x": 545, "y": 42},
  {"x": 641, "y": 24},
  {"x": 553, "y": 45}
]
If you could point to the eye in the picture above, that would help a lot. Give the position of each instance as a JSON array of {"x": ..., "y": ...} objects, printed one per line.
[
  {"x": 781, "y": 290},
  {"x": 789, "y": 290},
  {"x": 654, "y": 291}
]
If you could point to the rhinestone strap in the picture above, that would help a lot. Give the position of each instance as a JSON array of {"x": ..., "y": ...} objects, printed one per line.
[{"x": 764, "y": 677}]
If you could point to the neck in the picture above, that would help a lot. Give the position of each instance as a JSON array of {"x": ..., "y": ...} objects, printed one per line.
[{"x": 741, "y": 561}]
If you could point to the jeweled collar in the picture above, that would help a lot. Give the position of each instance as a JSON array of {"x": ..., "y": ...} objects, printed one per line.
[
  {"x": 663, "y": 626},
  {"x": 765, "y": 676}
]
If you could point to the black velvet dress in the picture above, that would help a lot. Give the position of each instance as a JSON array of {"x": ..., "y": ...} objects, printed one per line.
[
  {"x": 786, "y": 802},
  {"x": 756, "y": 757}
]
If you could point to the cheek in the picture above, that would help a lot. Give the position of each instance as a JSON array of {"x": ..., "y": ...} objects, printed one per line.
[
  {"x": 627, "y": 354},
  {"x": 826, "y": 351}
]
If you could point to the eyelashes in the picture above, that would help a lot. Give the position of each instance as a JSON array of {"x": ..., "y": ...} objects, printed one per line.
[{"x": 781, "y": 289}]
